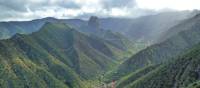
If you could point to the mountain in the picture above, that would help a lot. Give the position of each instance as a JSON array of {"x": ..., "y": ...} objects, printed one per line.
[
  {"x": 91, "y": 27},
  {"x": 25, "y": 64},
  {"x": 146, "y": 28},
  {"x": 74, "y": 53},
  {"x": 185, "y": 25},
  {"x": 151, "y": 27},
  {"x": 159, "y": 53},
  {"x": 56, "y": 56},
  {"x": 183, "y": 72},
  {"x": 8, "y": 29}
]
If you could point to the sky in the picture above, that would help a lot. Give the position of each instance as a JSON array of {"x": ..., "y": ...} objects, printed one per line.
[{"x": 64, "y": 9}]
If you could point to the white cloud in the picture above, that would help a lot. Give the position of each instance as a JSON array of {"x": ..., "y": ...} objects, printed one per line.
[
  {"x": 33, "y": 9},
  {"x": 169, "y": 4},
  {"x": 119, "y": 12}
]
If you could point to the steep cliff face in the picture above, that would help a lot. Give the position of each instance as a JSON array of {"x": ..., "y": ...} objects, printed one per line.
[{"x": 94, "y": 22}]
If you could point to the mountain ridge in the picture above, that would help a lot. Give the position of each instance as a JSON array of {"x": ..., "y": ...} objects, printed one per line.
[
  {"x": 67, "y": 57},
  {"x": 159, "y": 53}
]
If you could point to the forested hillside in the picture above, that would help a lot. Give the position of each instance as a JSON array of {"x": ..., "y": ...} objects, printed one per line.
[
  {"x": 158, "y": 54},
  {"x": 57, "y": 56}
]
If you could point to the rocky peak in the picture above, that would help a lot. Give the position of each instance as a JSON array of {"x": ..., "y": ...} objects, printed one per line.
[{"x": 93, "y": 22}]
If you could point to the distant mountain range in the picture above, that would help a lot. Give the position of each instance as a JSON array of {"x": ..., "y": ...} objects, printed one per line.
[
  {"x": 9, "y": 29},
  {"x": 145, "y": 28}
]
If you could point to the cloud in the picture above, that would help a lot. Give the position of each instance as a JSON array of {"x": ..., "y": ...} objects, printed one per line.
[
  {"x": 33, "y": 9},
  {"x": 169, "y": 4},
  {"x": 118, "y": 3}
]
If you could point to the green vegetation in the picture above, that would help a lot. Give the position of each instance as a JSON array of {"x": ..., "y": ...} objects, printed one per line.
[
  {"x": 135, "y": 76},
  {"x": 173, "y": 63},
  {"x": 159, "y": 53},
  {"x": 57, "y": 56},
  {"x": 179, "y": 73}
]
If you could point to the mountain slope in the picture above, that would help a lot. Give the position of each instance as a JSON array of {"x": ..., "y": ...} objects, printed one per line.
[
  {"x": 57, "y": 56},
  {"x": 185, "y": 25},
  {"x": 146, "y": 28},
  {"x": 179, "y": 73},
  {"x": 159, "y": 53},
  {"x": 142, "y": 28},
  {"x": 93, "y": 28},
  {"x": 8, "y": 29}
]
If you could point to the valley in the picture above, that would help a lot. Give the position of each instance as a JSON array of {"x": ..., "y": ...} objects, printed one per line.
[
  {"x": 61, "y": 52},
  {"x": 160, "y": 50}
]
